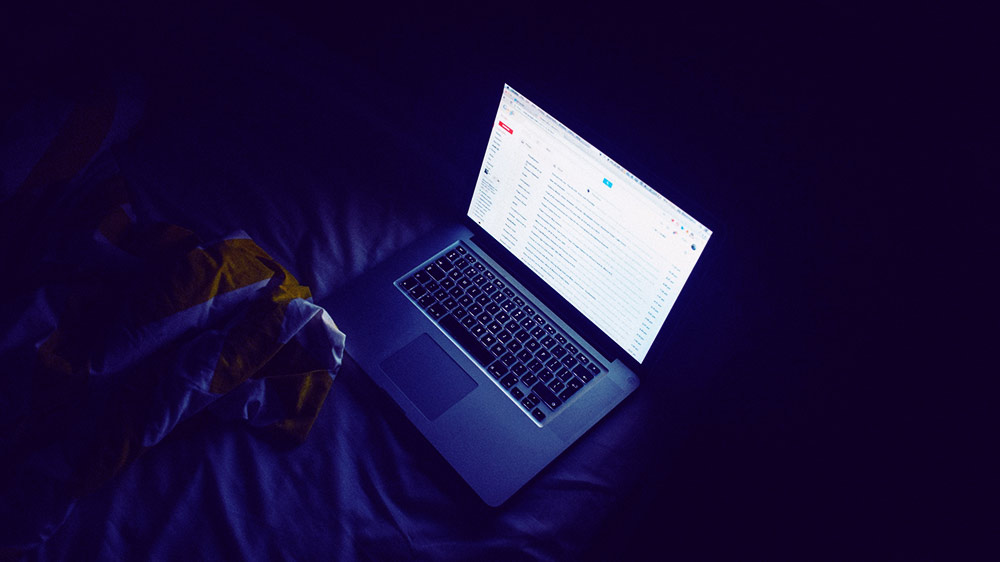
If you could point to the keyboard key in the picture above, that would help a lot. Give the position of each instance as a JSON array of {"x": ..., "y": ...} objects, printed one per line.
[
  {"x": 569, "y": 361},
  {"x": 494, "y": 327},
  {"x": 408, "y": 283},
  {"x": 477, "y": 330},
  {"x": 450, "y": 303},
  {"x": 469, "y": 321},
  {"x": 509, "y": 381},
  {"x": 459, "y": 313},
  {"x": 554, "y": 365},
  {"x": 513, "y": 327},
  {"x": 474, "y": 291},
  {"x": 518, "y": 369},
  {"x": 545, "y": 375},
  {"x": 543, "y": 355},
  {"x": 489, "y": 341},
  {"x": 594, "y": 369},
  {"x": 422, "y": 276},
  {"x": 498, "y": 370},
  {"x": 432, "y": 286},
  {"x": 441, "y": 294},
  {"x": 524, "y": 355},
  {"x": 572, "y": 385},
  {"x": 572, "y": 348},
  {"x": 452, "y": 255},
  {"x": 508, "y": 359},
  {"x": 497, "y": 349},
  {"x": 418, "y": 292},
  {"x": 514, "y": 346},
  {"x": 460, "y": 249},
  {"x": 504, "y": 336},
  {"x": 538, "y": 332},
  {"x": 530, "y": 401},
  {"x": 461, "y": 264},
  {"x": 517, "y": 393},
  {"x": 583, "y": 373},
  {"x": 426, "y": 300},
  {"x": 528, "y": 379},
  {"x": 436, "y": 310},
  {"x": 583, "y": 359},
  {"x": 539, "y": 320},
  {"x": 522, "y": 336},
  {"x": 548, "y": 397},
  {"x": 535, "y": 366},
  {"x": 557, "y": 385},
  {"x": 532, "y": 345},
  {"x": 538, "y": 414},
  {"x": 444, "y": 263},
  {"x": 557, "y": 351},
  {"x": 485, "y": 300},
  {"x": 454, "y": 328},
  {"x": 492, "y": 307},
  {"x": 564, "y": 374},
  {"x": 436, "y": 272}
]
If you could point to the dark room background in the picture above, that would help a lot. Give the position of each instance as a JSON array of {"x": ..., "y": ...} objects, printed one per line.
[{"x": 840, "y": 151}]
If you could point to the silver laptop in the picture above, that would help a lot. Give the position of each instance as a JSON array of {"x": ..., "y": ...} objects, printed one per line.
[{"x": 507, "y": 335}]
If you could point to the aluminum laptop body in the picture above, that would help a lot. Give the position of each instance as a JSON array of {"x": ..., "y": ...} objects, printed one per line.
[{"x": 556, "y": 284}]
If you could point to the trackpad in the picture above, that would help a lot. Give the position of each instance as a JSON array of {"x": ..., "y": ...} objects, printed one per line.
[{"x": 428, "y": 376}]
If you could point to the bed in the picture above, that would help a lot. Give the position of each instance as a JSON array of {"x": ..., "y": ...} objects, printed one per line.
[{"x": 169, "y": 223}]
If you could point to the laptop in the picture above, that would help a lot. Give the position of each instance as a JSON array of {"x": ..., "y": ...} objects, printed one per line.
[{"x": 506, "y": 335}]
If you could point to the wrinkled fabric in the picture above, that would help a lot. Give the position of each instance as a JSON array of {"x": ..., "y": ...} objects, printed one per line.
[{"x": 116, "y": 332}]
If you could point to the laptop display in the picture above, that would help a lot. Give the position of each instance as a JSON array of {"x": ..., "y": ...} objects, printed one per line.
[
  {"x": 496, "y": 371},
  {"x": 614, "y": 248}
]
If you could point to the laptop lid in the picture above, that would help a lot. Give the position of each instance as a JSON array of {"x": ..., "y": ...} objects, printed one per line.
[{"x": 610, "y": 250}]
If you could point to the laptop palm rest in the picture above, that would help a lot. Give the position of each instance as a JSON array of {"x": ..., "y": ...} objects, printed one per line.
[{"x": 428, "y": 376}]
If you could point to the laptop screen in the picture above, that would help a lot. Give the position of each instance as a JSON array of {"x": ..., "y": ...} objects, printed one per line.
[{"x": 613, "y": 247}]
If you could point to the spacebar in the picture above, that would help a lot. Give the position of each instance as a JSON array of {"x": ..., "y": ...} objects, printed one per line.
[{"x": 466, "y": 340}]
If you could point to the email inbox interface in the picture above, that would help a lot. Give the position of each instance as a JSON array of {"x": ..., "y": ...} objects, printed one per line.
[{"x": 611, "y": 246}]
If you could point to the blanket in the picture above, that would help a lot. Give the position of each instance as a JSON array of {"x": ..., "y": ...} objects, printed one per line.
[{"x": 115, "y": 334}]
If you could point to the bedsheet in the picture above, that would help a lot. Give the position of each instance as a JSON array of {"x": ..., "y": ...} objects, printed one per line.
[
  {"x": 116, "y": 332},
  {"x": 205, "y": 144}
]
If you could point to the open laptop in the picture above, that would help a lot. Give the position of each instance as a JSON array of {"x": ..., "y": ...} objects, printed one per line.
[{"x": 507, "y": 335}]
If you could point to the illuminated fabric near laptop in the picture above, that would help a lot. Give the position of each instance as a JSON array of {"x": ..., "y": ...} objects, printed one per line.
[{"x": 614, "y": 248}]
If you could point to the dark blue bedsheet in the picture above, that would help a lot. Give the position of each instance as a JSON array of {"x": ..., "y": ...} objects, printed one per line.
[
  {"x": 795, "y": 418},
  {"x": 273, "y": 135}
]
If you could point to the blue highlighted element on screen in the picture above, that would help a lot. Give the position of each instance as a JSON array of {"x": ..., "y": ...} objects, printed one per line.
[{"x": 607, "y": 182}]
